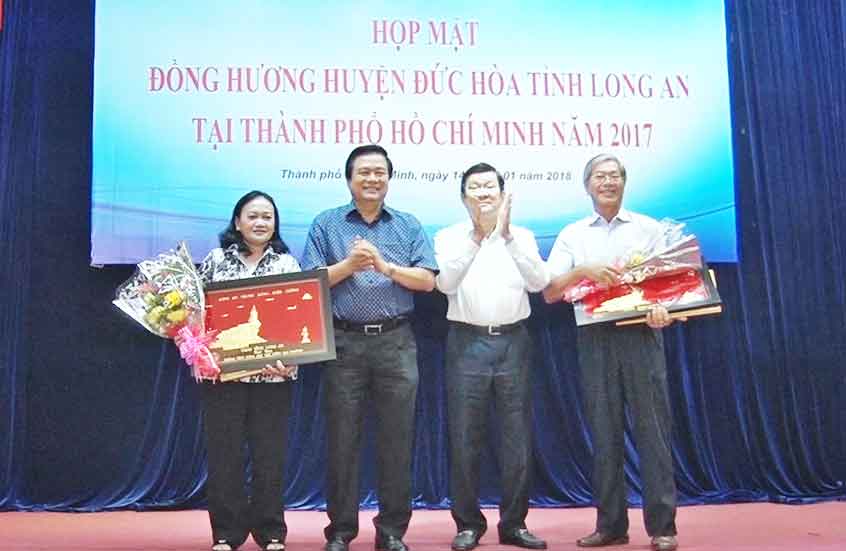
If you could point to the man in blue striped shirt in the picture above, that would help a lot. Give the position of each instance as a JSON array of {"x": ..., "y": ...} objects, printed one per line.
[{"x": 377, "y": 257}]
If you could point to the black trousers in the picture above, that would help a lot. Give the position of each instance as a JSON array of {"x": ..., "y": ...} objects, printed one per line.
[
  {"x": 378, "y": 371},
  {"x": 625, "y": 366},
  {"x": 242, "y": 419},
  {"x": 485, "y": 369}
]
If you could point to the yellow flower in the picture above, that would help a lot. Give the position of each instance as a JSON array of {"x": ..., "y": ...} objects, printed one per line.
[
  {"x": 177, "y": 316},
  {"x": 155, "y": 315},
  {"x": 173, "y": 299},
  {"x": 635, "y": 258}
]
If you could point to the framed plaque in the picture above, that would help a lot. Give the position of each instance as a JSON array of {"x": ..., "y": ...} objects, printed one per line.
[
  {"x": 685, "y": 294},
  {"x": 259, "y": 320}
]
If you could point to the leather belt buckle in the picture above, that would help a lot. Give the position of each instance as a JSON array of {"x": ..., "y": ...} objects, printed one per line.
[
  {"x": 380, "y": 327},
  {"x": 490, "y": 330},
  {"x": 372, "y": 329}
]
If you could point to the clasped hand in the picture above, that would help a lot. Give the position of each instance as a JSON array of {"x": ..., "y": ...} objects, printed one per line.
[{"x": 365, "y": 256}]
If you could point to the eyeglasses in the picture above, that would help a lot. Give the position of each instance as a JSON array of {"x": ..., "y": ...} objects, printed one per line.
[{"x": 603, "y": 176}]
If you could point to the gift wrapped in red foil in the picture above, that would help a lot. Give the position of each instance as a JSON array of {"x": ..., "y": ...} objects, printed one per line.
[{"x": 668, "y": 270}]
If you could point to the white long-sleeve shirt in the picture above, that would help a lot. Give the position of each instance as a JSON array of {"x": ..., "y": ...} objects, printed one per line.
[{"x": 488, "y": 284}]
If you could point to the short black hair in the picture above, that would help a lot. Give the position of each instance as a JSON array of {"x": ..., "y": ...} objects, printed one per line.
[
  {"x": 367, "y": 150},
  {"x": 231, "y": 235},
  {"x": 479, "y": 168}
]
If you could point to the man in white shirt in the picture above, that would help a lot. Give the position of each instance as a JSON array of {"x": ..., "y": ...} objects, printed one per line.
[
  {"x": 619, "y": 365},
  {"x": 487, "y": 267}
]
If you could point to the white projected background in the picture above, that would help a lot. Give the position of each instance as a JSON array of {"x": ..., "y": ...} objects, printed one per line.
[{"x": 198, "y": 102}]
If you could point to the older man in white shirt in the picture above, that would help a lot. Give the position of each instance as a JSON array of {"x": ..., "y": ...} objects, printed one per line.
[
  {"x": 487, "y": 268},
  {"x": 619, "y": 365}
]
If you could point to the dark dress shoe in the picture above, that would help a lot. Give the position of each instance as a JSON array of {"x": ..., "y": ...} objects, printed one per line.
[
  {"x": 664, "y": 543},
  {"x": 522, "y": 538},
  {"x": 598, "y": 539},
  {"x": 466, "y": 540},
  {"x": 390, "y": 543},
  {"x": 336, "y": 544}
]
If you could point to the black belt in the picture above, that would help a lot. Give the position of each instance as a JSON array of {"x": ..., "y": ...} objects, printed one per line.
[
  {"x": 491, "y": 330},
  {"x": 370, "y": 328}
]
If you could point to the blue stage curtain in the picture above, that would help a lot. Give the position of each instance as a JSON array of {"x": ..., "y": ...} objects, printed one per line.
[
  {"x": 18, "y": 143},
  {"x": 97, "y": 414}
]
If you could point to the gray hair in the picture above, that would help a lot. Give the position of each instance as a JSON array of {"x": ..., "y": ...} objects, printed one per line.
[{"x": 601, "y": 158}]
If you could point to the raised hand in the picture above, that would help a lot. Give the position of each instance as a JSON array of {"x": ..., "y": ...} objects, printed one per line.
[{"x": 503, "y": 220}]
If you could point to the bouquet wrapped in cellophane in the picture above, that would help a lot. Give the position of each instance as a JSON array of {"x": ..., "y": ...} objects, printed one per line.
[
  {"x": 666, "y": 270},
  {"x": 165, "y": 295}
]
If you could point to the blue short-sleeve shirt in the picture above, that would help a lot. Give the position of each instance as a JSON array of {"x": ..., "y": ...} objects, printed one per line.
[{"x": 368, "y": 296}]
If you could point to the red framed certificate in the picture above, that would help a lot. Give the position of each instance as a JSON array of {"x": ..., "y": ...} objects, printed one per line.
[{"x": 259, "y": 320}]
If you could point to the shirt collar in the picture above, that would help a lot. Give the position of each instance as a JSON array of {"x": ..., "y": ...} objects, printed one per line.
[
  {"x": 233, "y": 250},
  {"x": 622, "y": 216},
  {"x": 351, "y": 211}
]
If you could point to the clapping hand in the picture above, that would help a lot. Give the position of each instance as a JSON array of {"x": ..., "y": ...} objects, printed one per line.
[{"x": 503, "y": 219}]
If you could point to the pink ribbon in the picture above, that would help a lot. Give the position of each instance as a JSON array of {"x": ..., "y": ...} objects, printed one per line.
[{"x": 193, "y": 347}]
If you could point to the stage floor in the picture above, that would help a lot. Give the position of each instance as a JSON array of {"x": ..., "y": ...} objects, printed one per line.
[{"x": 746, "y": 527}]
